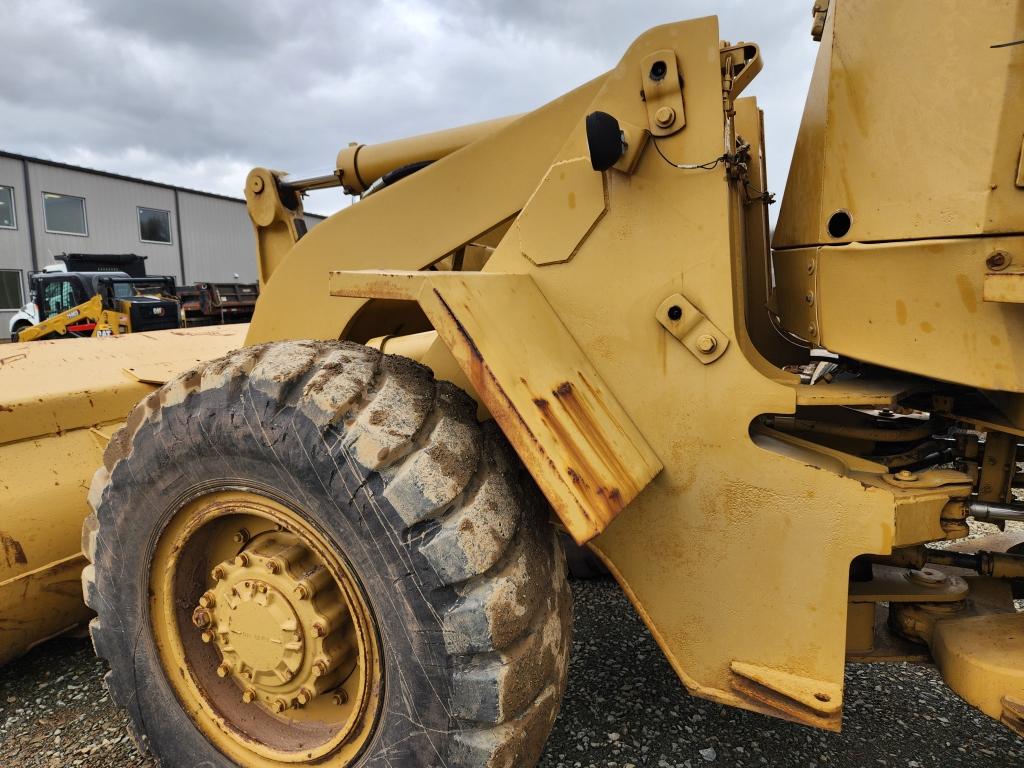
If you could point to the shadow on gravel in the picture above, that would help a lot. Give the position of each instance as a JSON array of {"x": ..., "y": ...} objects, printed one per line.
[{"x": 625, "y": 708}]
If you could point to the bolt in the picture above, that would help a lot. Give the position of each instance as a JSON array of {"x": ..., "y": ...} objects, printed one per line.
[
  {"x": 675, "y": 312},
  {"x": 998, "y": 260},
  {"x": 906, "y": 476},
  {"x": 241, "y": 536},
  {"x": 302, "y": 590},
  {"x": 201, "y": 618},
  {"x": 810, "y": 268},
  {"x": 249, "y": 695},
  {"x": 218, "y": 573},
  {"x": 208, "y": 600},
  {"x": 664, "y": 117},
  {"x": 279, "y": 705},
  {"x": 320, "y": 667},
  {"x": 224, "y": 670},
  {"x": 340, "y": 697},
  {"x": 206, "y": 637},
  {"x": 261, "y": 587},
  {"x": 305, "y": 696},
  {"x": 257, "y": 185},
  {"x": 273, "y": 566},
  {"x": 242, "y": 559},
  {"x": 809, "y": 297},
  {"x": 707, "y": 344},
  {"x": 319, "y": 630}
]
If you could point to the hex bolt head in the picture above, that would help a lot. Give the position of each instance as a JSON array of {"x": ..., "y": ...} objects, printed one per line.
[
  {"x": 340, "y": 697},
  {"x": 319, "y": 630},
  {"x": 206, "y": 637},
  {"x": 279, "y": 705},
  {"x": 273, "y": 566},
  {"x": 218, "y": 573},
  {"x": 208, "y": 600},
  {"x": 241, "y": 536},
  {"x": 664, "y": 117},
  {"x": 675, "y": 312},
  {"x": 707, "y": 344},
  {"x": 320, "y": 668},
  {"x": 242, "y": 560},
  {"x": 201, "y": 618},
  {"x": 302, "y": 591},
  {"x": 906, "y": 476},
  {"x": 305, "y": 696},
  {"x": 248, "y": 696},
  {"x": 224, "y": 670}
]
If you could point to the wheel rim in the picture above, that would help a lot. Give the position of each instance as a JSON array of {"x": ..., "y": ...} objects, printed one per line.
[{"x": 264, "y": 632}]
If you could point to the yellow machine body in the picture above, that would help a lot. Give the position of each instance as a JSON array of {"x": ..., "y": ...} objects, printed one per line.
[
  {"x": 648, "y": 356},
  {"x": 628, "y": 329},
  {"x": 61, "y": 402}
]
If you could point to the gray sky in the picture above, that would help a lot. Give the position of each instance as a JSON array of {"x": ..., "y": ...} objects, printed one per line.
[{"x": 196, "y": 92}]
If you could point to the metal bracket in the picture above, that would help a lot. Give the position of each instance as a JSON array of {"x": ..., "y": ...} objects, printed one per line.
[
  {"x": 688, "y": 324},
  {"x": 662, "y": 88}
]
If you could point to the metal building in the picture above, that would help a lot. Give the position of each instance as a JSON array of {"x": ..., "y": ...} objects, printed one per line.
[{"x": 47, "y": 208}]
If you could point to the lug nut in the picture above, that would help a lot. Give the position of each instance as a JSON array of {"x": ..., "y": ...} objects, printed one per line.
[
  {"x": 206, "y": 637},
  {"x": 340, "y": 697},
  {"x": 302, "y": 590},
  {"x": 279, "y": 705},
  {"x": 273, "y": 566},
  {"x": 319, "y": 630},
  {"x": 707, "y": 344},
  {"x": 201, "y": 618},
  {"x": 224, "y": 670},
  {"x": 242, "y": 559},
  {"x": 208, "y": 600},
  {"x": 321, "y": 667},
  {"x": 241, "y": 536},
  {"x": 218, "y": 573},
  {"x": 248, "y": 696},
  {"x": 305, "y": 696}
]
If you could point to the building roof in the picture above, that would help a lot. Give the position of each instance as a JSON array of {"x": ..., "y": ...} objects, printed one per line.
[{"x": 135, "y": 179}]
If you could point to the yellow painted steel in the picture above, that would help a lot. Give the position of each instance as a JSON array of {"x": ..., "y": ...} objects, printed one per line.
[
  {"x": 927, "y": 179},
  {"x": 61, "y": 402},
  {"x": 107, "y": 323},
  {"x": 578, "y": 443}
]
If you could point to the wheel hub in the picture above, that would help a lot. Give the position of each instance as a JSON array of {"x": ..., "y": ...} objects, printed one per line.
[{"x": 278, "y": 621}]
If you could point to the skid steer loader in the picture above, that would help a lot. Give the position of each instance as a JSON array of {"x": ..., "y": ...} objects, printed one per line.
[{"x": 337, "y": 544}]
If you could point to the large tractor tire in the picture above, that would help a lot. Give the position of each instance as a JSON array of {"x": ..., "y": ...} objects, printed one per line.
[{"x": 309, "y": 552}]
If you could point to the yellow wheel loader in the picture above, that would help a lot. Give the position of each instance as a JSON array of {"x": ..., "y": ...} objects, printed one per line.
[{"x": 337, "y": 544}]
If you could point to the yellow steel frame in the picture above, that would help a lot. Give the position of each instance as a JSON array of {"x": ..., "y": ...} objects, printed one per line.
[{"x": 736, "y": 554}]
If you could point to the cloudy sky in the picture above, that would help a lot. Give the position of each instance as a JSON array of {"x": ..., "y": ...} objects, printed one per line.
[{"x": 196, "y": 92}]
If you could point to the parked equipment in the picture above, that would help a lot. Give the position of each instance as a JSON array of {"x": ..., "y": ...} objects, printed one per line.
[
  {"x": 218, "y": 303},
  {"x": 310, "y": 551},
  {"x": 116, "y": 304}
]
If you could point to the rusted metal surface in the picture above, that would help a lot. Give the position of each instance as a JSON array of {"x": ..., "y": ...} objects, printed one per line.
[{"x": 578, "y": 442}]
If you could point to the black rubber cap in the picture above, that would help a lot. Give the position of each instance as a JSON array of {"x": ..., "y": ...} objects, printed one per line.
[{"x": 604, "y": 138}]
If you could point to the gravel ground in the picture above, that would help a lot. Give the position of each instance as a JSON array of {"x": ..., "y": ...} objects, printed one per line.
[{"x": 625, "y": 708}]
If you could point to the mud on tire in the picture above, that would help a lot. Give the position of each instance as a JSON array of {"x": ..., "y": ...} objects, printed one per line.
[{"x": 444, "y": 529}]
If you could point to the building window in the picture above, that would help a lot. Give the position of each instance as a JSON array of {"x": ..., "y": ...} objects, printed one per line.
[
  {"x": 10, "y": 289},
  {"x": 8, "y": 220},
  {"x": 154, "y": 226},
  {"x": 64, "y": 214}
]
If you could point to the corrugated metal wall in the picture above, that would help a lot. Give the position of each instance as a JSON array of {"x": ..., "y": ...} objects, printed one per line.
[{"x": 216, "y": 236}]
